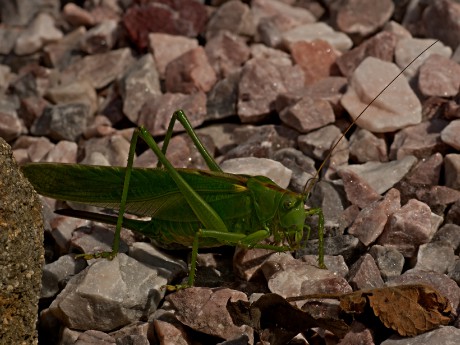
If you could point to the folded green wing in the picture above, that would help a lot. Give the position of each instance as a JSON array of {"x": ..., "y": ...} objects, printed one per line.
[{"x": 151, "y": 191}]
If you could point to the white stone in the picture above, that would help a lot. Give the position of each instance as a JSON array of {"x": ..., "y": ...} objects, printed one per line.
[
  {"x": 322, "y": 31},
  {"x": 259, "y": 166},
  {"x": 397, "y": 107},
  {"x": 407, "y": 49}
]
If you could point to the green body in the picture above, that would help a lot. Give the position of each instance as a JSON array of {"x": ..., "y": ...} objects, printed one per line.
[
  {"x": 153, "y": 193},
  {"x": 188, "y": 207}
]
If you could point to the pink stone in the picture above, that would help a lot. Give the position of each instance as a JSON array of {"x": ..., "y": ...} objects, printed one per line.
[
  {"x": 260, "y": 84},
  {"x": 99, "y": 69},
  {"x": 166, "y": 48},
  {"x": 407, "y": 49},
  {"x": 39, "y": 32},
  {"x": 226, "y": 53},
  {"x": 190, "y": 72},
  {"x": 233, "y": 16},
  {"x": 450, "y": 136},
  {"x": 316, "y": 58},
  {"x": 175, "y": 17},
  {"x": 439, "y": 76},
  {"x": 283, "y": 15},
  {"x": 101, "y": 38},
  {"x": 440, "y": 20},
  {"x": 421, "y": 140},
  {"x": 427, "y": 171},
  {"x": 308, "y": 114},
  {"x": 361, "y": 17},
  {"x": 247, "y": 262},
  {"x": 290, "y": 277},
  {"x": 157, "y": 111},
  {"x": 77, "y": 16},
  {"x": 380, "y": 46},
  {"x": 364, "y": 274},
  {"x": 359, "y": 192},
  {"x": 204, "y": 309},
  {"x": 395, "y": 108},
  {"x": 311, "y": 32},
  {"x": 365, "y": 147},
  {"x": 408, "y": 228},
  {"x": 371, "y": 221}
]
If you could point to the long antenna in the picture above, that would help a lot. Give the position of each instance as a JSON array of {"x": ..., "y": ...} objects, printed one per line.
[{"x": 311, "y": 182}]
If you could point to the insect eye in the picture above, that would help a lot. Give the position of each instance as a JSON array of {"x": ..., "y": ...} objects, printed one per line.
[{"x": 288, "y": 204}]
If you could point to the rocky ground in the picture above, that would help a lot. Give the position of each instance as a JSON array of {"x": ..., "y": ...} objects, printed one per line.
[{"x": 270, "y": 86}]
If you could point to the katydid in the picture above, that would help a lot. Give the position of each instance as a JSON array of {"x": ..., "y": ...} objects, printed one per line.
[{"x": 194, "y": 208}]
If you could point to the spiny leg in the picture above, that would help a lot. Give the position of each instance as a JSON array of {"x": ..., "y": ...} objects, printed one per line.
[
  {"x": 319, "y": 212},
  {"x": 180, "y": 116},
  {"x": 121, "y": 212}
]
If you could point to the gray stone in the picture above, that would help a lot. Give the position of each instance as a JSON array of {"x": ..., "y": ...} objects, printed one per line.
[
  {"x": 93, "y": 337},
  {"x": 389, "y": 261},
  {"x": 223, "y": 97},
  {"x": 62, "y": 122},
  {"x": 383, "y": 176},
  {"x": 109, "y": 294},
  {"x": 115, "y": 149},
  {"x": 334, "y": 264},
  {"x": 449, "y": 233},
  {"x": 452, "y": 170},
  {"x": 289, "y": 277},
  {"x": 39, "y": 32},
  {"x": 61, "y": 269},
  {"x": 318, "y": 144},
  {"x": 21, "y": 253},
  {"x": 395, "y": 108},
  {"x": 139, "y": 83},
  {"x": 435, "y": 256},
  {"x": 446, "y": 335},
  {"x": 100, "y": 38},
  {"x": 303, "y": 167},
  {"x": 345, "y": 245},
  {"x": 62, "y": 53},
  {"x": 77, "y": 91},
  {"x": 441, "y": 282}
]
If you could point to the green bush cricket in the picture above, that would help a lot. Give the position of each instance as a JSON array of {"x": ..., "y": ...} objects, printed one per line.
[{"x": 194, "y": 208}]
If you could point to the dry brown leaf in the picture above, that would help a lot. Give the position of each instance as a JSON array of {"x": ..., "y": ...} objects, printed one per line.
[
  {"x": 410, "y": 309},
  {"x": 407, "y": 309}
]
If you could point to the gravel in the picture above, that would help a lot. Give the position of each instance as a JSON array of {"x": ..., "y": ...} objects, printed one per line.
[{"x": 263, "y": 81}]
